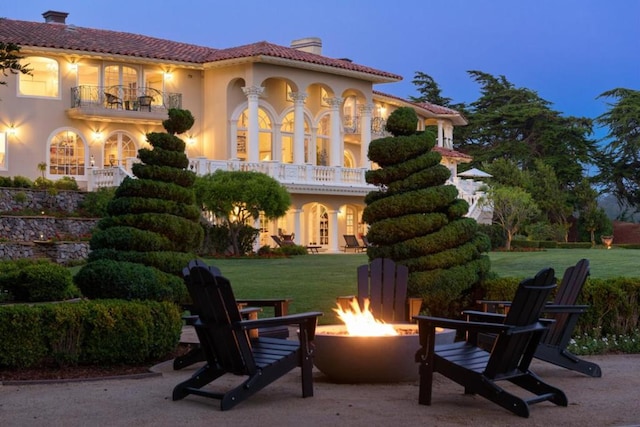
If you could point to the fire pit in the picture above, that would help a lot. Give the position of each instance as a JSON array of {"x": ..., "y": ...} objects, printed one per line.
[{"x": 357, "y": 354}]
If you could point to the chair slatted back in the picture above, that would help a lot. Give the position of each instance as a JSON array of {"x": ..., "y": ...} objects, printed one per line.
[
  {"x": 351, "y": 240},
  {"x": 218, "y": 312},
  {"x": 569, "y": 290},
  {"x": 385, "y": 284},
  {"x": 512, "y": 352}
]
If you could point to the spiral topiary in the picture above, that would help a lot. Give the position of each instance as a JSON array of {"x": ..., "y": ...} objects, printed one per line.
[
  {"x": 153, "y": 220},
  {"x": 417, "y": 220}
]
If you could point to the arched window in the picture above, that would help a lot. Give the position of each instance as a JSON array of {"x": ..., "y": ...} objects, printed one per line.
[
  {"x": 66, "y": 154},
  {"x": 323, "y": 141},
  {"x": 265, "y": 136},
  {"x": 288, "y": 136},
  {"x": 118, "y": 148},
  {"x": 44, "y": 79}
]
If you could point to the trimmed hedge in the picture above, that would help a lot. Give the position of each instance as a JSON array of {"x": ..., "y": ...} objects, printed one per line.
[
  {"x": 105, "y": 279},
  {"x": 31, "y": 281},
  {"x": 614, "y": 304},
  {"x": 106, "y": 332}
]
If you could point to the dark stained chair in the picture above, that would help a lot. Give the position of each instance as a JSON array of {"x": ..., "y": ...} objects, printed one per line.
[
  {"x": 112, "y": 100},
  {"x": 479, "y": 371},
  {"x": 229, "y": 348},
  {"x": 565, "y": 312},
  {"x": 249, "y": 309},
  {"x": 145, "y": 102},
  {"x": 351, "y": 242},
  {"x": 281, "y": 242},
  {"x": 384, "y": 283}
]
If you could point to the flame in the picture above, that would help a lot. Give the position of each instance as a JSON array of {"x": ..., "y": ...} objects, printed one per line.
[{"x": 361, "y": 323}]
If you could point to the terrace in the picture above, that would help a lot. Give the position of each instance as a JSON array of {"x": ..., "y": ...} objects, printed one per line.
[{"x": 122, "y": 104}]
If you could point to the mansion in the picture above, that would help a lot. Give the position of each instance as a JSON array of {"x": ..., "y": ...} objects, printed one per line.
[{"x": 303, "y": 118}]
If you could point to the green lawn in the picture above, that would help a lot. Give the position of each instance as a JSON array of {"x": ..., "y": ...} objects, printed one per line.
[{"x": 314, "y": 281}]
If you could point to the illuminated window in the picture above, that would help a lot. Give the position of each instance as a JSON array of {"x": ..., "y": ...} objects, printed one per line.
[
  {"x": 118, "y": 148},
  {"x": 265, "y": 135},
  {"x": 44, "y": 79},
  {"x": 67, "y": 154},
  {"x": 287, "y": 132},
  {"x": 323, "y": 141}
]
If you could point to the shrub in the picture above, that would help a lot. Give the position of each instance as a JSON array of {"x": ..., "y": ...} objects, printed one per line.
[
  {"x": 66, "y": 183},
  {"x": 95, "y": 203},
  {"x": 106, "y": 279},
  {"x": 291, "y": 250},
  {"x": 106, "y": 332},
  {"x": 29, "y": 280},
  {"x": 22, "y": 182},
  {"x": 402, "y": 121},
  {"x": 5, "y": 181}
]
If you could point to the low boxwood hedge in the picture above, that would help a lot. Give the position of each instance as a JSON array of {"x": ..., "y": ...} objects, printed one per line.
[
  {"x": 105, "y": 332},
  {"x": 614, "y": 304}
]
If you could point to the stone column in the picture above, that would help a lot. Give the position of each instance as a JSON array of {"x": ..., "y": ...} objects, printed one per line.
[
  {"x": 365, "y": 134},
  {"x": 253, "y": 148},
  {"x": 297, "y": 226},
  {"x": 336, "y": 156},
  {"x": 334, "y": 242},
  {"x": 298, "y": 127},
  {"x": 440, "y": 135}
]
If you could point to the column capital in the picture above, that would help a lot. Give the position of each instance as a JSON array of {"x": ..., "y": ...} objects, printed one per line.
[
  {"x": 298, "y": 97},
  {"x": 365, "y": 108},
  {"x": 334, "y": 102},
  {"x": 253, "y": 91}
]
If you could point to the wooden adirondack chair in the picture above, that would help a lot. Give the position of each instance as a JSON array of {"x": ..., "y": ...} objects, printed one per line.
[
  {"x": 248, "y": 309},
  {"x": 384, "y": 283},
  {"x": 479, "y": 371},
  {"x": 565, "y": 313},
  {"x": 228, "y": 348}
]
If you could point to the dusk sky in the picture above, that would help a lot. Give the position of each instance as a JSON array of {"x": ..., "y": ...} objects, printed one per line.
[{"x": 568, "y": 51}]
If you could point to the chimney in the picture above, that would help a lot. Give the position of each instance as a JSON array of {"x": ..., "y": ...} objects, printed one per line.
[
  {"x": 309, "y": 44},
  {"x": 53, "y": 17}
]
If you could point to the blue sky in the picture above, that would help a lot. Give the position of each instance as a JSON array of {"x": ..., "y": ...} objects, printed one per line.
[{"x": 569, "y": 51}]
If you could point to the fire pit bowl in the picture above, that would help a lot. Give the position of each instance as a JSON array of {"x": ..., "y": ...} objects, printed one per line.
[{"x": 354, "y": 359}]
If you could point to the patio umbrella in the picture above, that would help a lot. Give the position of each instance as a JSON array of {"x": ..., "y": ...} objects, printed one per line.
[{"x": 474, "y": 173}]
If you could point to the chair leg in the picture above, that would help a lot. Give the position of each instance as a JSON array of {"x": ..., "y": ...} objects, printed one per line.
[
  {"x": 535, "y": 385},
  {"x": 195, "y": 355},
  {"x": 568, "y": 360},
  {"x": 200, "y": 378}
]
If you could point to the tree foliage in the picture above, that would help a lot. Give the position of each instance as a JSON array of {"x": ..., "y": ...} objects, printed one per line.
[
  {"x": 237, "y": 198},
  {"x": 417, "y": 220},
  {"x": 507, "y": 122},
  {"x": 512, "y": 208},
  {"x": 10, "y": 61},
  {"x": 429, "y": 90},
  {"x": 619, "y": 162}
]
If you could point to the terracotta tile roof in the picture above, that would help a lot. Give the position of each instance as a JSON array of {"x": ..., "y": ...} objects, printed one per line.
[
  {"x": 69, "y": 37},
  {"x": 265, "y": 48},
  {"x": 447, "y": 152},
  {"x": 435, "y": 109},
  {"x": 81, "y": 39}
]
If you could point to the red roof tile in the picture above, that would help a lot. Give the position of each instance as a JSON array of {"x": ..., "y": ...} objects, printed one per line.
[
  {"x": 69, "y": 37},
  {"x": 448, "y": 152}
]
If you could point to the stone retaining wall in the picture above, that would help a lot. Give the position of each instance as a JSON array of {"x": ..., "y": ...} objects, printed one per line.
[
  {"x": 59, "y": 252},
  {"x": 16, "y": 199},
  {"x": 28, "y": 229}
]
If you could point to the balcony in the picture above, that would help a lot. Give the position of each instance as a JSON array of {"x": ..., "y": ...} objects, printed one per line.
[
  {"x": 352, "y": 126},
  {"x": 122, "y": 104}
]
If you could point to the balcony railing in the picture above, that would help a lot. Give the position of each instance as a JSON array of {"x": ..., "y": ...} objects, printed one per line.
[
  {"x": 353, "y": 124},
  {"x": 124, "y": 98}
]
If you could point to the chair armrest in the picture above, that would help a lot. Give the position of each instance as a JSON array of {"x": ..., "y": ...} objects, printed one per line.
[
  {"x": 461, "y": 325},
  {"x": 492, "y": 306},
  {"x": 280, "y": 305},
  {"x": 570, "y": 309},
  {"x": 291, "y": 319},
  {"x": 484, "y": 316}
]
